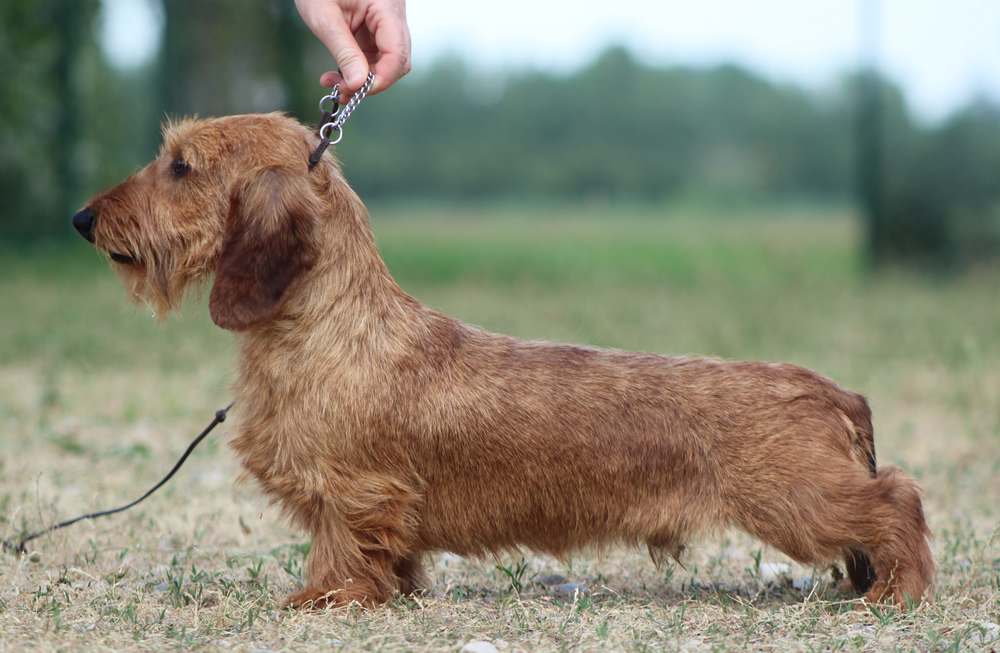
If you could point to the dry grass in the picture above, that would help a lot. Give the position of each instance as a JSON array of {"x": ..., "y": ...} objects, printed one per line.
[{"x": 95, "y": 404}]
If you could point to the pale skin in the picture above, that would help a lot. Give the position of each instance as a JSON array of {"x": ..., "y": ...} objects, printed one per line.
[{"x": 362, "y": 36}]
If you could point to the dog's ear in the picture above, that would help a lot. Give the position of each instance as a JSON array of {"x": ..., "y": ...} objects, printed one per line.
[{"x": 268, "y": 244}]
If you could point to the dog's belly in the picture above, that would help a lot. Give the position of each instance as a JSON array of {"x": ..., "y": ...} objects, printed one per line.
[
  {"x": 556, "y": 507},
  {"x": 592, "y": 451},
  {"x": 552, "y": 447}
]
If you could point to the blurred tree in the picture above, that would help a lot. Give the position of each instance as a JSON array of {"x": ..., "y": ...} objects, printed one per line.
[
  {"x": 235, "y": 56},
  {"x": 177, "y": 57},
  {"x": 70, "y": 124},
  {"x": 942, "y": 203},
  {"x": 22, "y": 31},
  {"x": 301, "y": 93},
  {"x": 73, "y": 19},
  {"x": 615, "y": 128},
  {"x": 40, "y": 96}
]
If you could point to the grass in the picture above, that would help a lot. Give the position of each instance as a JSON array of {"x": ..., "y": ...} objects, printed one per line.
[{"x": 96, "y": 403}]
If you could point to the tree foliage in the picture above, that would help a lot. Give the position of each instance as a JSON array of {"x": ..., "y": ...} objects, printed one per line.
[
  {"x": 942, "y": 204},
  {"x": 38, "y": 91},
  {"x": 70, "y": 124},
  {"x": 615, "y": 128}
]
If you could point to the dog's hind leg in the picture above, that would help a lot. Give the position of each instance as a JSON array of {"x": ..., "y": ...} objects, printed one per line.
[
  {"x": 829, "y": 510},
  {"x": 897, "y": 540},
  {"x": 860, "y": 569}
]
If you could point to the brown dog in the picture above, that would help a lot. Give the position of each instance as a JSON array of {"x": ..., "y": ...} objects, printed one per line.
[{"x": 388, "y": 430}]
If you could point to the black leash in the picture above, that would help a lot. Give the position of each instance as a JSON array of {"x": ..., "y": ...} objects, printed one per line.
[{"x": 220, "y": 416}]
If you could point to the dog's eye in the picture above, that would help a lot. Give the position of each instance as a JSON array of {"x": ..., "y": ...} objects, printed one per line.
[{"x": 180, "y": 168}]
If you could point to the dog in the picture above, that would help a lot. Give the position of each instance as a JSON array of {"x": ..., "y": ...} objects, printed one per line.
[{"x": 387, "y": 430}]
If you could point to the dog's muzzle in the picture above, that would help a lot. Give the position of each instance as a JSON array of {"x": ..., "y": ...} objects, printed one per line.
[{"x": 84, "y": 222}]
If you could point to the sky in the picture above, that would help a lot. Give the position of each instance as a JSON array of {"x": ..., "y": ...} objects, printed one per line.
[{"x": 942, "y": 52}]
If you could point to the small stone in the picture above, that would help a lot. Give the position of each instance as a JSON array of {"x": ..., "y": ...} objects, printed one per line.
[
  {"x": 985, "y": 632},
  {"x": 571, "y": 589},
  {"x": 164, "y": 586},
  {"x": 551, "y": 579},
  {"x": 773, "y": 572},
  {"x": 36, "y": 556},
  {"x": 865, "y": 632},
  {"x": 803, "y": 584},
  {"x": 479, "y": 647}
]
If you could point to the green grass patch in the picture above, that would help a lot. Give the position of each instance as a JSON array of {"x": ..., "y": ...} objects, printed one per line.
[
  {"x": 625, "y": 245},
  {"x": 96, "y": 402}
]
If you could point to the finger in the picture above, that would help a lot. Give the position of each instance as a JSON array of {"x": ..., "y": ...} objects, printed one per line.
[
  {"x": 392, "y": 42},
  {"x": 388, "y": 71},
  {"x": 331, "y": 79},
  {"x": 336, "y": 34},
  {"x": 368, "y": 45}
]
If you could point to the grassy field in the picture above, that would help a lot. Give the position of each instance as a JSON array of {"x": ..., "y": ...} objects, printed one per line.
[{"x": 96, "y": 403}]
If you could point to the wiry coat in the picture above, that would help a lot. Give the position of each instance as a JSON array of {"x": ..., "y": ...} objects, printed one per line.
[{"x": 388, "y": 430}]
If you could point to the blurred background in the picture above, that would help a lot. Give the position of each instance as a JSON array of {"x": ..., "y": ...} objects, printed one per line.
[
  {"x": 887, "y": 108},
  {"x": 816, "y": 182}
]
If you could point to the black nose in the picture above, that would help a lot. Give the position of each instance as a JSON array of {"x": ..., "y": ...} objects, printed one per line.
[{"x": 84, "y": 222}]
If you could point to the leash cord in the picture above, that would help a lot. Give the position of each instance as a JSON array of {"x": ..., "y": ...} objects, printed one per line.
[{"x": 220, "y": 416}]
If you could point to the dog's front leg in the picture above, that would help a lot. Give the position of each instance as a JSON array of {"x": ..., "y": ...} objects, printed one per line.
[
  {"x": 413, "y": 577},
  {"x": 361, "y": 550},
  {"x": 337, "y": 572}
]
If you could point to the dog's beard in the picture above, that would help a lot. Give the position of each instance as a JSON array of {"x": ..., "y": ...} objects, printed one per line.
[{"x": 159, "y": 283}]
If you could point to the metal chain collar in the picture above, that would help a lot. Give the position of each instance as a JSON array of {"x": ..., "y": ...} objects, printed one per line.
[{"x": 334, "y": 119}]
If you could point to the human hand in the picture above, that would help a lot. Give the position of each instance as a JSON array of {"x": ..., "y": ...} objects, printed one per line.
[{"x": 361, "y": 35}]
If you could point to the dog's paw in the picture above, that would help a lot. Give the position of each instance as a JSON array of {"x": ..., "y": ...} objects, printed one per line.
[
  {"x": 881, "y": 595},
  {"x": 309, "y": 599},
  {"x": 312, "y": 600}
]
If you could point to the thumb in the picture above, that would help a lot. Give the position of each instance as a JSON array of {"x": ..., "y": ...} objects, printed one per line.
[{"x": 337, "y": 36}]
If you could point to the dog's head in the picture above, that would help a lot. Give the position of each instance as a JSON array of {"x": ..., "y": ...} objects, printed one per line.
[{"x": 231, "y": 196}]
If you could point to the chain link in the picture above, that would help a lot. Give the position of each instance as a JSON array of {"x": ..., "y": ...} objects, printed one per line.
[
  {"x": 335, "y": 118},
  {"x": 341, "y": 116}
]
